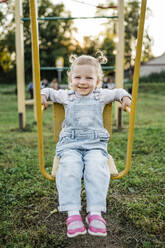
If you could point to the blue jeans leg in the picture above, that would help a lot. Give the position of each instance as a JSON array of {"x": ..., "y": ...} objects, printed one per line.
[
  {"x": 96, "y": 179},
  {"x": 68, "y": 180}
]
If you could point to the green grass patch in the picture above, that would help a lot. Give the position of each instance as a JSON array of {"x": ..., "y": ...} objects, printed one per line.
[{"x": 135, "y": 204}]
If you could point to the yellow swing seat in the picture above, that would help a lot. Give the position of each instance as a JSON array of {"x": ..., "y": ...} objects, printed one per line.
[{"x": 59, "y": 115}]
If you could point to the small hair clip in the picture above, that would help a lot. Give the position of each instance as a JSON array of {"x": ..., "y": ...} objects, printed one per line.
[
  {"x": 101, "y": 58},
  {"x": 72, "y": 58}
]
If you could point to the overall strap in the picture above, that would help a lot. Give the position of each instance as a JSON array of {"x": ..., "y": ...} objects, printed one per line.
[
  {"x": 96, "y": 93},
  {"x": 71, "y": 95}
]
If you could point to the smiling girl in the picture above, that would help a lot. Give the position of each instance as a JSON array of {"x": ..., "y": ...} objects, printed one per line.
[{"x": 82, "y": 146}]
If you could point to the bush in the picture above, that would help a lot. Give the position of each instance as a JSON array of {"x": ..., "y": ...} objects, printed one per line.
[{"x": 154, "y": 77}]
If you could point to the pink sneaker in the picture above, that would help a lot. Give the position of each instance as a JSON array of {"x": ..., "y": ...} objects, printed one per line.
[
  {"x": 97, "y": 225},
  {"x": 75, "y": 226}
]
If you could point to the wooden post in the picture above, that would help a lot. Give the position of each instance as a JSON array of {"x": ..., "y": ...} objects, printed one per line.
[
  {"x": 20, "y": 64},
  {"x": 119, "y": 58}
]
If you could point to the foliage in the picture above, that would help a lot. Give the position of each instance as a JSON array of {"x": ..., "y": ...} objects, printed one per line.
[
  {"x": 154, "y": 77},
  {"x": 56, "y": 39},
  {"x": 108, "y": 46},
  {"x": 132, "y": 10},
  {"x": 147, "y": 47},
  {"x": 131, "y": 21},
  {"x": 7, "y": 43}
]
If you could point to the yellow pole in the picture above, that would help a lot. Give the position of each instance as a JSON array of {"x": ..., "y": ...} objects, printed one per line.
[
  {"x": 37, "y": 88},
  {"x": 119, "y": 58},
  {"x": 135, "y": 91}
]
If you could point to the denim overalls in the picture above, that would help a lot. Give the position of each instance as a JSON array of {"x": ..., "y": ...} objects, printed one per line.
[{"x": 82, "y": 149}]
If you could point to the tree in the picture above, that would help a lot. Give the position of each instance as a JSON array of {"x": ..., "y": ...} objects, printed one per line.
[
  {"x": 132, "y": 11},
  {"x": 147, "y": 48},
  {"x": 7, "y": 54},
  {"x": 131, "y": 16},
  {"x": 90, "y": 45},
  {"x": 108, "y": 47},
  {"x": 108, "y": 36},
  {"x": 55, "y": 39}
]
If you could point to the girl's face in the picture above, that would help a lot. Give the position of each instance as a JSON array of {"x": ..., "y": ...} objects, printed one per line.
[{"x": 84, "y": 79}]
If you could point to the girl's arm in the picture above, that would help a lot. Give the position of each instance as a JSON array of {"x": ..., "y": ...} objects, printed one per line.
[
  {"x": 59, "y": 96},
  {"x": 119, "y": 95}
]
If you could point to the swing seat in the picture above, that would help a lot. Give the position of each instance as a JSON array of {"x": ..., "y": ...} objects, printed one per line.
[{"x": 59, "y": 115}]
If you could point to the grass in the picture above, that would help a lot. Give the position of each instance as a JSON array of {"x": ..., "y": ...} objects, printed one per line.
[{"x": 135, "y": 204}]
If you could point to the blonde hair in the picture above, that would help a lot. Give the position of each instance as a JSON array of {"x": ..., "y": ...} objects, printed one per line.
[{"x": 88, "y": 60}]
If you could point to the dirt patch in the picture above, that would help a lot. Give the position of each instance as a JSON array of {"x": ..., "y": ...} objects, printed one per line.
[{"x": 118, "y": 235}]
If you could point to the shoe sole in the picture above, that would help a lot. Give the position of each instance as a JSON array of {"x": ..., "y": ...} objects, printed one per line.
[
  {"x": 95, "y": 233},
  {"x": 76, "y": 234}
]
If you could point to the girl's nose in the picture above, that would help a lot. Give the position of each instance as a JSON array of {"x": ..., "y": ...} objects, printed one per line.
[{"x": 82, "y": 81}]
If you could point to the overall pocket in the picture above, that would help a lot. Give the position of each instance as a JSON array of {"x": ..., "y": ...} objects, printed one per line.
[{"x": 103, "y": 136}]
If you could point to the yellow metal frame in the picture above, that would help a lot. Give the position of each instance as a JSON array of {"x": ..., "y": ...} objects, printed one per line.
[{"x": 38, "y": 95}]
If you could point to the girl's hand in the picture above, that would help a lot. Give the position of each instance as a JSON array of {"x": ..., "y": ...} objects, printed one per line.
[
  {"x": 44, "y": 101},
  {"x": 126, "y": 102}
]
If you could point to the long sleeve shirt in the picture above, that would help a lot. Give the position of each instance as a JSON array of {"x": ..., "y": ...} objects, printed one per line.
[{"x": 106, "y": 95}]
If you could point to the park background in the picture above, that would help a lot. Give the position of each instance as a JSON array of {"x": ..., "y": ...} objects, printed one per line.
[{"x": 135, "y": 214}]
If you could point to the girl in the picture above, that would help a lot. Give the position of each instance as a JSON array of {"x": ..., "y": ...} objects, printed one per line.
[{"x": 82, "y": 146}]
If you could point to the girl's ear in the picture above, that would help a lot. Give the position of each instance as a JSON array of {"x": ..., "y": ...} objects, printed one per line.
[
  {"x": 70, "y": 84},
  {"x": 98, "y": 84}
]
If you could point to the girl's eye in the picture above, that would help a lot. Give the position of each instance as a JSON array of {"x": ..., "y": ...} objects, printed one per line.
[
  {"x": 77, "y": 77},
  {"x": 89, "y": 78}
]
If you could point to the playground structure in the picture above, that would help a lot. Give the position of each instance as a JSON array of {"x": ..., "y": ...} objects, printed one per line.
[
  {"x": 36, "y": 73},
  {"x": 119, "y": 71}
]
